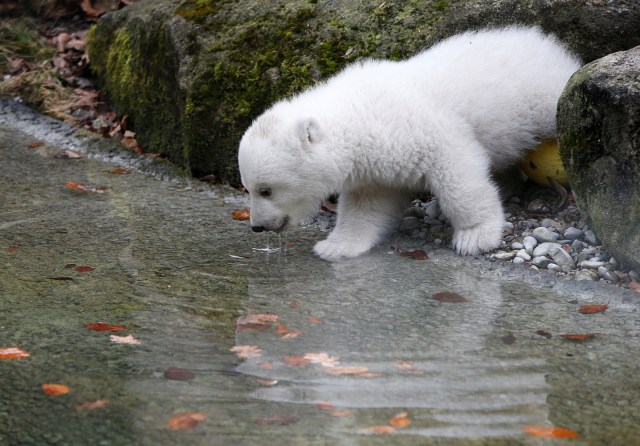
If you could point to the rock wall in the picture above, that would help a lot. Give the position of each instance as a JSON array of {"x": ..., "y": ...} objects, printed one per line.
[{"x": 599, "y": 133}]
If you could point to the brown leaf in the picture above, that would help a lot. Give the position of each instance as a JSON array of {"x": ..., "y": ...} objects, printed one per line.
[
  {"x": 286, "y": 333},
  {"x": 346, "y": 370},
  {"x": 340, "y": 413},
  {"x": 380, "y": 430},
  {"x": 185, "y": 421},
  {"x": 325, "y": 406},
  {"x": 61, "y": 278},
  {"x": 578, "y": 336},
  {"x": 67, "y": 155},
  {"x": 550, "y": 432},
  {"x": 246, "y": 351},
  {"x": 12, "y": 353},
  {"x": 241, "y": 215},
  {"x": 295, "y": 361},
  {"x": 447, "y": 296},
  {"x": 90, "y": 11},
  {"x": 323, "y": 359},
  {"x": 593, "y": 308},
  {"x": 101, "y": 326},
  {"x": 84, "y": 269},
  {"x": 121, "y": 171},
  {"x": 255, "y": 322},
  {"x": 268, "y": 365},
  {"x": 543, "y": 333},
  {"x": 315, "y": 320},
  {"x": 509, "y": 339},
  {"x": 11, "y": 249},
  {"x": 634, "y": 286},
  {"x": 55, "y": 389},
  {"x": 417, "y": 254},
  {"x": 407, "y": 367},
  {"x": 35, "y": 144},
  {"x": 74, "y": 185},
  {"x": 277, "y": 420},
  {"x": 179, "y": 374},
  {"x": 98, "y": 404},
  {"x": 400, "y": 420}
]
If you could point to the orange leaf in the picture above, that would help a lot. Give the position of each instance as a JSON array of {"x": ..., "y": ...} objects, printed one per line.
[
  {"x": 346, "y": 370},
  {"x": 84, "y": 269},
  {"x": 578, "y": 336},
  {"x": 325, "y": 406},
  {"x": 550, "y": 432},
  {"x": 593, "y": 308},
  {"x": 255, "y": 322},
  {"x": 121, "y": 171},
  {"x": 315, "y": 320},
  {"x": 380, "y": 429},
  {"x": 185, "y": 421},
  {"x": 124, "y": 339},
  {"x": 295, "y": 361},
  {"x": 400, "y": 420},
  {"x": 286, "y": 333},
  {"x": 448, "y": 296},
  {"x": 101, "y": 326},
  {"x": 10, "y": 249},
  {"x": 13, "y": 353},
  {"x": 634, "y": 286},
  {"x": 35, "y": 144},
  {"x": 340, "y": 413},
  {"x": 55, "y": 389},
  {"x": 417, "y": 254},
  {"x": 98, "y": 404},
  {"x": 240, "y": 215}
]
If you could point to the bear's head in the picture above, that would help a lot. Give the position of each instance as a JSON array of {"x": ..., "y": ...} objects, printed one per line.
[{"x": 284, "y": 166}]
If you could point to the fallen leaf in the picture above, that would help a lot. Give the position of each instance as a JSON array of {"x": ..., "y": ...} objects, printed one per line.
[
  {"x": 550, "y": 432},
  {"x": 101, "y": 326},
  {"x": 179, "y": 374},
  {"x": 323, "y": 359},
  {"x": 121, "y": 171},
  {"x": 185, "y": 421},
  {"x": 293, "y": 304},
  {"x": 295, "y": 361},
  {"x": 448, "y": 296},
  {"x": 11, "y": 249},
  {"x": 417, "y": 254},
  {"x": 90, "y": 10},
  {"x": 325, "y": 406},
  {"x": 634, "y": 286},
  {"x": 255, "y": 322},
  {"x": 124, "y": 339},
  {"x": 98, "y": 404},
  {"x": 286, "y": 333},
  {"x": 346, "y": 370},
  {"x": 35, "y": 144},
  {"x": 84, "y": 269},
  {"x": 67, "y": 155},
  {"x": 340, "y": 413},
  {"x": 55, "y": 389},
  {"x": 241, "y": 215},
  {"x": 407, "y": 367},
  {"x": 315, "y": 320},
  {"x": 380, "y": 430},
  {"x": 246, "y": 351},
  {"x": 543, "y": 333},
  {"x": 277, "y": 420},
  {"x": 578, "y": 336},
  {"x": 593, "y": 308},
  {"x": 13, "y": 353},
  {"x": 74, "y": 185},
  {"x": 328, "y": 206},
  {"x": 400, "y": 420}
]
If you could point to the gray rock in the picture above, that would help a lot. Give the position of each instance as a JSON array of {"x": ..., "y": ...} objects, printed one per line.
[
  {"x": 548, "y": 223},
  {"x": 554, "y": 267},
  {"x": 585, "y": 274},
  {"x": 523, "y": 255},
  {"x": 572, "y": 233},
  {"x": 561, "y": 257},
  {"x": 409, "y": 224},
  {"x": 577, "y": 246},
  {"x": 503, "y": 255},
  {"x": 543, "y": 234},
  {"x": 590, "y": 264},
  {"x": 432, "y": 209},
  {"x": 590, "y": 237},
  {"x": 541, "y": 262},
  {"x": 599, "y": 135},
  {"x": 537, "y": 206},
  {"x": 518, "y": 260},
  {"x": 529, "y": 244},
  {"x": 543, "y": 248},
  {"x": 517, "y": 246}
]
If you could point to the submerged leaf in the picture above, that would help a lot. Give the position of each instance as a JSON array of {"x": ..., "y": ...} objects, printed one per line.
[
  {"x": 550, "y": 432},
  {"x": 179, "y": 374},
  {"x": 98, "y": 404},
  {"x": 55, "y": 389},
  {"x": 295, "y": 361},
  {"x": 380, "y": 430},
  {"x": 124, "y": 339},
  {"x": 185, "y": 421},
  {"x": 84, "y": 269},
  {"x": 13, "y": 353},
  {"x": 241, "y": 215},
  {"x": 447, "y": 296},
  {"x": 101, "y": 326},
  {"x": 593, "y": 308},
  {"x": 246, "y": 351},
  {"x": 578, "y": 336},
  {"x": 400, "y": 420}
]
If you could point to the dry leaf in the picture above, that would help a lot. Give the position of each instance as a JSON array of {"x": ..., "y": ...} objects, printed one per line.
[
  {"x": 380, "y": 430},
  {"x": 98, "y": 404},
  {"x": 246, "y": 351},
  {"x": 323, "y": 359},
  {"x": 255, "y": 322},
  {"x": 185, "y": 421},
  {"x": 11, "y": 249},
  {"x": 550, "y": 432},
  {"x": 417, "y": 254},
  {"x": 286, "y": 333},
  {"x": 179, "y": 374},
  {"x": 277, "y": 420},
  {"x": 67, "y": 155},
  {"x": 340, "y": 413},
  {"x": 578, "y": 336},
  {"x": 634, "y": 286},
  {"x": 84, "y": 269},
  {"x": 124, "y": 339},
  {"x": 325, "y": 406},
  {"x": 35, "y": 144},
  {"x": 13, "y": 353},
  {"x": 241, "y": 215},
  {"x": 315, "y": 320},
  {"x": 544, "y": 333},
  {"x": 407, "y": 367},
  {"x": 295, "y": 361},
  {"x": 121, "y": 171},
  {"x": 55, "y": 389},
  {"x": 400, "y": 420},
  {"x": 73, "y": 185},
  {"x": 593, "y": 308},
  {"x": 101, "y": 326},
  {"x": 346, "y": 370},
  {"x": 447, "y": 296}
]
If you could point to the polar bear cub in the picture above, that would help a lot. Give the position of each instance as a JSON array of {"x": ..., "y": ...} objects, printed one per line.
[{"x": 380, "y": 131}]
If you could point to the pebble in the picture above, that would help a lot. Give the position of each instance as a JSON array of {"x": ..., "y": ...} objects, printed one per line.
[
  {"x": 529, "y": 243},
  {"x": 524, "y": 255},
  {"x": 590, "y": 237},
  {"x": 585, "y": 274},
  {"x": 590, "y": 264},
  {"x": 577, "y": 246},
  {"x": 562, "y": 257},
  {"x": 543, "y": 249},
  {"x": 548, "y": 223},
  {"x": 542, "y": 234},
  {"x": 541, "y": 261},
  {"x": 572, "y": 233},
  {"x": 517, "y": 246},
  {"x": 518, "y": 260},
  {"x": 554, "y": 267},
  {"x": 504, "y": 255}
]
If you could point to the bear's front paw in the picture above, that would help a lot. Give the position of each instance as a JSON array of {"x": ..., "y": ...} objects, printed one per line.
[
  {"x": 336, "y": 250},
  {"x": 477, "y": 239}
]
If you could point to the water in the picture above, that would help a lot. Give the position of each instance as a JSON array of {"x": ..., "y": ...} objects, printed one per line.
[{"x": 175, "y": 269}]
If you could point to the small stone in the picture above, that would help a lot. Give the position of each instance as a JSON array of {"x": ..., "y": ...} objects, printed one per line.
[
  {"x": 537, "y": 206},
  {"x": 432, "y": 209},
  {"x": 554, "y": 267},
  {"x": 548, "y": 223},
  {"x": 590, "y": 264},
  {"x": 518, "y": 260},
  {"x": 517, "y": 246},
  {"x": 634, "y": 274},
  {"x": 543, "y": 248},
  {"x": 590, "y": 237},
  {"x": 529, "y": 243},
  {"x": 541, "y": 261},
  {"x": 566, "y": 269},
  {"x": 561, "y": 257},
  {"x": 543, "y": 234},
  {"x": 577, "y": 246},
  {"x": 586, "y": 274},
  {"x": 525, "y": 224},
  {"x": 613, "y": 262},
  {"x": 572, "y": 233},
  {"x": 523, "y": 255},
  {"x": 503, "y": 255}
]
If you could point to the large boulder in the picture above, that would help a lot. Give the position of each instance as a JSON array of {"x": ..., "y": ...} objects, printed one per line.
[
  {"x": 192, "y": 74},
  {"x": 599, "y": 133}
]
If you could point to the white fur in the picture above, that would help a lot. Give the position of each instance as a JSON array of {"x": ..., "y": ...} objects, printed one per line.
[{"x": 381, "y": 130}]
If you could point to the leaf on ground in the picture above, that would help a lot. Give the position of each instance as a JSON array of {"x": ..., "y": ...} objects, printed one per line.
[
  {"x": 578, "y": 336},
  {"x": 346, "y": 370},
  {"x": 74, "y": 185},
  {"x": 295, "y": 361},
  {"x": 255, "y": 322},
  {"x": 323, "y": 359},
  {"x": 293, "y": 304},
  {"x": 121, "y": 171},
  {"x": 550, "y": 432},
  {"x": 185, "y": 421},
  {"x": 325, "y": 406},
  {"x": 67, "y": 155},
  {"x": 315, "y": 320},
  {"x": 407, "y": 367},
  {"x": 35, "y": 144},
  {"x": 55, "y": 389},
  {"x": 544, "y": 333},
  {"x": 634, "y": 286},
  {"x": 179, "y": 374},
  {"x": 286, "y": 333},
  {"x": 593, "y": 308},
  {"x": 98, "y": 404},
  {"x": 13, "y": 353},
  {"x": 277, "y": 420},
  {"x": 90, "y": 11},
  {"x": 84, "y": 269},
  {"x": 124, "y": 339},
  {"x": 246, "y": 351},
  {"x": 417, "y": 254},
  {"x": 447, "y": 296},
  {"x": 380, "y": 430},
  {"x": 11, "y": 249},
  {"x": 241, "y": 215},
  {"x": 101, "y": 326},
  {"x": 400, "y": 420},
  {"x": 340, "y": 413}
]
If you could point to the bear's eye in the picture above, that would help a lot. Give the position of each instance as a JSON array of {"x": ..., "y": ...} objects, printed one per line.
[{"x": 265, "y": 192}]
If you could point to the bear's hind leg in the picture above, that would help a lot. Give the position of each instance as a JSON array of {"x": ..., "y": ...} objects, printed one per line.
[{"x": 364, "y": 217}]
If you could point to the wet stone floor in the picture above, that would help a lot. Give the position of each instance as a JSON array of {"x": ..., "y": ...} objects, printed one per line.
[{"x": 234, "y": 344}]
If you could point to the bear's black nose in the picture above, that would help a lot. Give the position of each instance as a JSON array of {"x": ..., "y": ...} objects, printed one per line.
[{"x": 257, "y": 228}]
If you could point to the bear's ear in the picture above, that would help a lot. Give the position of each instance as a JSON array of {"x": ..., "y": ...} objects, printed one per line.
[{"x": 308, "y": 131}]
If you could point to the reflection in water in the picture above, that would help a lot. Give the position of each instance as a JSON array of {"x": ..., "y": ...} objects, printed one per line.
[{"x": 436, "y": 360}]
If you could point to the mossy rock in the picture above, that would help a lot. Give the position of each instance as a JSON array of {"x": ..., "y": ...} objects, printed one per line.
[
  {"x": 599, "y": 134},
  {"x": 192, "y": 74}
]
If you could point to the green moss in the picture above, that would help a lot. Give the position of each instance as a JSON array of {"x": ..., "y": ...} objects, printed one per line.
[{"x": 198, "y": 10}]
